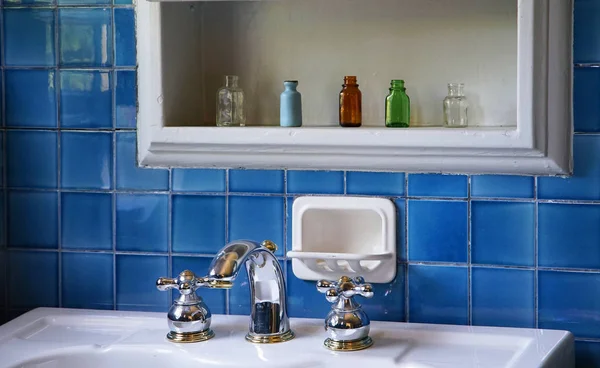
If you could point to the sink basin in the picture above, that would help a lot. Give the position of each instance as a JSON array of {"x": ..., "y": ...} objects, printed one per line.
[{"x": 52, "y": 338}]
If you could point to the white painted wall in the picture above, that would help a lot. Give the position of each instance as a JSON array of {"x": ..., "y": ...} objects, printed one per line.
[{"x": 426, "y": 42}]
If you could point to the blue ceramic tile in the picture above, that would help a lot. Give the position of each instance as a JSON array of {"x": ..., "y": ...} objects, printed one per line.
[
  {"x": 239, "y": 295},
  {"x": 437, "y": 231},
  {"x": 142, "y": 222},
  {"x": 43, "y": 287},
  {"x": 585, "y": 183},
  {"x": 401, "y": 229},
  {"x": 503, "y": 297},
  {"x": 85, "y": 37},
  {"x": 258, "y": 219},
  {"x": 387, "y": 303},
  {"x": 315, "y": 182},
  {"x": 24, "y": 87},
  {"x": 375, "y": 183},
  {"x": 568, "y": 235},
  {"x": 83, "y": 2},
  {"x": 586, "y": 112},
  {"x": 123, "y": 2},
  {"x": 289, "y": 205},
  {"x": 502, "y": 186},
  {"x": 31, "y": 159},
  {"x": 304, "y": 301},
  {"x": 438, "y": 294},
  {"x": 198, "y": 180},
  {"x": 86, "y": 160},
  {"x": 97, "y": 271},
  {"x": 587, "y": 354},
  {"x": 124, "y": 37},
  {"x": 437, "y": 185},
  {"x": 125, "y": 99},
  {"x": 214, "y": 298},
  {"x": 3, "y": 280},
  {"x": 587, "y": 31},
  {"x": 85, "y": 99},
  {"x": 569, "y": 301},
  {"x": 2, "y": 224},
  {"x": 503, "y": 233},
  {"x": 141, "y": 296},
  {"x": 86, "y": 221},
  {"x": 129, "y": 175},
  {"x": 198, "y": 224},
  {"x": 29, "y": 37},
  {"x": 27, "y": 2},
  {"x": 33, "y": 219},
  {"x": 256, "y": 181}
]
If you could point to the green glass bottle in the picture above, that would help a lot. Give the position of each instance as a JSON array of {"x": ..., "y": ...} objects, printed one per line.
[{"x": 397, "y": 106}]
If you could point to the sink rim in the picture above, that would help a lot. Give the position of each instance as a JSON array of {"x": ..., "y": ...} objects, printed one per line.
[{"x": 543, "y": 344}]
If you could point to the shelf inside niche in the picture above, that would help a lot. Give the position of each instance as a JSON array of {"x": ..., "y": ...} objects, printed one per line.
[{"x": 317, "y": 42}]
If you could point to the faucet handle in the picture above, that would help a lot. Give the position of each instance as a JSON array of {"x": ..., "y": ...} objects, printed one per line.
[
  {"x": 186, "y": 283},
  {"x": 347, "y": 324},
  {"x": 345, "y": 287},
  {"x": 189, "y": 317}
]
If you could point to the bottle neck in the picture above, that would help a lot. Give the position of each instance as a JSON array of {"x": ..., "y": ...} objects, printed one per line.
[
  {"x": 290, "y": 85},
  {"x": 456, "y": 90},
  {"x": 231, "y": 81},
  {"x": 397, "y": 86},
  {"x": 350, "y": 81}
]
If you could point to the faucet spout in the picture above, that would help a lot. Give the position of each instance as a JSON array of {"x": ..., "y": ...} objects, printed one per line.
[{"x": 269, "y": 322}]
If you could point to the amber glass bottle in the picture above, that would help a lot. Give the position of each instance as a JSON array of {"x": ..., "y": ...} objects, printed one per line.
[{"x": 350, "y": 104}]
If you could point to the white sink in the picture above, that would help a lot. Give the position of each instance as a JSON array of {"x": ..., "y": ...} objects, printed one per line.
[{"x": 52, "y": 338}]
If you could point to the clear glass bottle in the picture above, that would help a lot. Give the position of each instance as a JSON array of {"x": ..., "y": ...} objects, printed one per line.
[
  {"x": 397, "y": 106},
  {"x": 350, "y": 104},
  {"x": 456, "y": 107},
  {"x": 230, "y": 103}
]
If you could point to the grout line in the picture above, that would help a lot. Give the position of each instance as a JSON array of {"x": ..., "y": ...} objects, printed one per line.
[
  {"x": 248, "y": 194},
  {"x": 406, "y": 259},
  {"x": 5, "y": 233},
  {"x": 536, "y": 254},
  {"x": 54, "y": 5},
  {"x": 345, "y": 182},
  {"x": 66, "y": 67},
  {"x": 227, "y": 291},
  {"x": 469, "y": 256},
  {"x": 286, "y": 224},
  {"x": 71, "y": 130},
  {"x": 114, "y": 216},
  {"x": 170, "y": 271},
  {"x": 57, "y": 89},
  {"x": 587, "y": 65}
]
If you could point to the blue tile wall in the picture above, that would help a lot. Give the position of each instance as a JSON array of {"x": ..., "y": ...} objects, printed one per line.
[
  {"x": 86, "y": 221},
  {"x": 87, "y": 280},
  {"x": 85, "y": 99},
  {"x": 481, "y": 249},
  {"x": 21, "y": 88}
]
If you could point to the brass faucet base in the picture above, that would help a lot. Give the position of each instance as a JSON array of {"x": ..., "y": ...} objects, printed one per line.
[
  {"x": 189, "y": 337},
  {"x": 353, "y": 345},
  {"x": 270, "y": 339}
]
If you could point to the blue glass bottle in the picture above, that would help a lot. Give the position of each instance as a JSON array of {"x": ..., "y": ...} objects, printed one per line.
[{"x": 291, "y": 105}]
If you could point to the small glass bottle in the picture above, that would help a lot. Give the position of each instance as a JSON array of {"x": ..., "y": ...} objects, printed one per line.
[
  {"x": 230, "y": 103},
  {"x": 350, "y": 104},
  {"x": 456, "y": 107},
  {"x": 291, "y": 105},
  {"x": 397, "y": 106}
]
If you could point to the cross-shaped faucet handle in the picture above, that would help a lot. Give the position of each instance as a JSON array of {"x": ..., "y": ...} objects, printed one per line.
[{"x": 345, "y": 287}]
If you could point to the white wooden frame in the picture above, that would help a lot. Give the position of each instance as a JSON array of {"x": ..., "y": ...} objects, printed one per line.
[{"x": 540, "y": 145}]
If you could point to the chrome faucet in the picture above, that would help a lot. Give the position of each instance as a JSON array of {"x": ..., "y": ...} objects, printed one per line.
[{"x": 269, "y": 321}]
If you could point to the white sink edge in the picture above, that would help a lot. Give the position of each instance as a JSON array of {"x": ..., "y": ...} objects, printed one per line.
[{"x": 233, "y": 328}]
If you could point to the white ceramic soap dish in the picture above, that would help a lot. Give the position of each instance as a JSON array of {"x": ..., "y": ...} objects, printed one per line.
[{"x": 352, "y": 236}]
